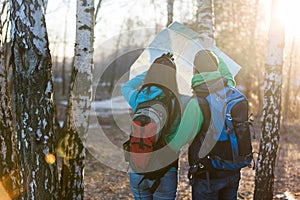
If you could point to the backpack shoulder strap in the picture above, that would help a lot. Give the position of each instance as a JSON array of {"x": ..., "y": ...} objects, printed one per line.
[
  {"x": 195, "y": 146},
  {"x": 173, "y": 108},
  {"x": 202, "y": 92}
]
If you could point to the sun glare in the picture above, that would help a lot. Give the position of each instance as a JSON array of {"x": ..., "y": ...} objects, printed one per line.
[
  {"x": 3, "y": 194},
  {"x": 291, "y": 15}
]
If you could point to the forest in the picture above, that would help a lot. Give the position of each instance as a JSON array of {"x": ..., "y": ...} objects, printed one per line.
[{"x": 63, "y": 119}]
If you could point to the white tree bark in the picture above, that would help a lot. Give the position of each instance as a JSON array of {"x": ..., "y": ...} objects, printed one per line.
[
  {"x": 170, "y": 9},
  {"x": 79, "y": 103},
  {"x": 33, "y": 90},
  {"x": 205, "y": 20},
  {"x": 264, "y": 180},
  {"x": 8, "y": 153}
]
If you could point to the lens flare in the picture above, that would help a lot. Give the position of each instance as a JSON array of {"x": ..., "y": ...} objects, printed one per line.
[
  {"x": 3, "y": 194},
  {"x": 50, "y": 158}
]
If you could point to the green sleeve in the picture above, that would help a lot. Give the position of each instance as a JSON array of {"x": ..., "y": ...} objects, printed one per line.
[
  {"x": 188, "y": 128},
  {"x": 224, "y": 71}
]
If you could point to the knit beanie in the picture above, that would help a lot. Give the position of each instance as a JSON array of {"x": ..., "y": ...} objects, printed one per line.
[
  {"x": 206, "y": 61},
  {"x": 162, "y": 73}
]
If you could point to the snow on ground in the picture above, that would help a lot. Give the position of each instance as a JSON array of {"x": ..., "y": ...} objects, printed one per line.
[
  {"x": 106, "y": 108},
  {"x": 116, "y": 105}
]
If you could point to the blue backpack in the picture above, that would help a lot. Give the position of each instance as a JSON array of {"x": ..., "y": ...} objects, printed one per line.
[{"x": 224, "y": 141}]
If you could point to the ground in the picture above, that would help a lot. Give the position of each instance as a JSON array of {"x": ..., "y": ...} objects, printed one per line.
[{"x": 103, "y": 182}]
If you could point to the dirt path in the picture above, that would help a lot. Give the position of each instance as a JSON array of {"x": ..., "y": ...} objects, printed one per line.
[{"x": 103, "y": 182}]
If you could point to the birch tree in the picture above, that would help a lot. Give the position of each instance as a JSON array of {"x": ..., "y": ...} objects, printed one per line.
[
  {"x": 264, "y": 180},
  {"x": 97, "y": 10},
  {"x": 33, "y": 91},
  {"x": 205, "y": 20},
  {"x": 170, "y": 9},
  {"x": 79, "y": 104},
  {"x": 8, "y": 154}
]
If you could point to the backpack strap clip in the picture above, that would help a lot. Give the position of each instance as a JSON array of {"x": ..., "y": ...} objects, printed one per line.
[{"x": 193, "y": 170}]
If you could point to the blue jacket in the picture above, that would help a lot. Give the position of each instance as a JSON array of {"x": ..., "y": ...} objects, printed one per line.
[{"x": 131, "y": 88}]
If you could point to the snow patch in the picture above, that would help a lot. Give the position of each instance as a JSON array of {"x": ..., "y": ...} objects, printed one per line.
[{"x": 118, "y": 104}]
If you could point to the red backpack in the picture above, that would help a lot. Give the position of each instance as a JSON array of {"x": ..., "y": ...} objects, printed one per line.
[
  {"x": 148, "y": 124},
  {"x": 146, "y": 150}
]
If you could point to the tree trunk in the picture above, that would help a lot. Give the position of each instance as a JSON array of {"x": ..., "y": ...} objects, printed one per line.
[
  {"x": 97, "y": 10},
  {"x": 170, "y": 11},
  {"x": 8, "y": 153},
  {"x": 264, "y": 180},
  {"x": 287, "y": 101},
  {"x": 205, "y": 20},
  {"x": 33, "y": 90},
  {"x": 63, "y": 73},
  {"x": 79, "y": 105}
]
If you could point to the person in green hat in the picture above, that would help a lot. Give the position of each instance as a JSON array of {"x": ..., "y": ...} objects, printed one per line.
[
  {"x": 208, "y": 69},
  {"x": 210, "y": 183}
]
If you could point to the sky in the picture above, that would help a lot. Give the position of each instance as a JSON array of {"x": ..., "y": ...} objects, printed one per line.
[
  {"x": 58, "y": 14},
  {"x": 112, "y": 18}
]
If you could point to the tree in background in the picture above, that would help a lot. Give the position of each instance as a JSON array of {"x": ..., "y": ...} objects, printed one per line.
[
  {"x": 205, "y": 20},
  {"x": 97, "y": 10},
  {"x": 33, "y": 91},
  {"x": 248, "y": 20},
  {"x": 8, "y": 153},
  {"x": 63, "y": 70},
  {"x": 79, "y": 104},
  {"x": 264, "y": 180},
  {"x": 170, "y": 9},
  {"x": 289, "y": 107},
  {"x": 239, "y": 31}
]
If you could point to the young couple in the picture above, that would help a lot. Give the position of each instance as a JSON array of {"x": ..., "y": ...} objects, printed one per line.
[{"x": 159, "y": 82}]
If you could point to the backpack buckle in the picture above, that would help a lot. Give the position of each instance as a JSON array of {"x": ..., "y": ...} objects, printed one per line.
[
  {"x": 229, "y": 116},
  {"x": 201, "y": 166},
  {"x": 191, "y": 173}
]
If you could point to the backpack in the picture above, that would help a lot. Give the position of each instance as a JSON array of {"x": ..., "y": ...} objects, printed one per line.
[
  {"x": 224, "y": 141},
  {"x": 149, "y": 124}
]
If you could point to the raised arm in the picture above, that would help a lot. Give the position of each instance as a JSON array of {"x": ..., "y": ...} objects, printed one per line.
[{"x": 130, "y": 88}]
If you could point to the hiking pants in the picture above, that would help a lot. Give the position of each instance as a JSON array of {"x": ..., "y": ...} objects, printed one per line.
[
  {"x": 166, "y": 189},
  {"x": 216, "y": 189}
]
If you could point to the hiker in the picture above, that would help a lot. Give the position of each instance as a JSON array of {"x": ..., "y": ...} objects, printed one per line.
[
  {"x": 157, "y": 84},
  {"x": 210, "y": 176},
  {"x": 208, "y": 182}
]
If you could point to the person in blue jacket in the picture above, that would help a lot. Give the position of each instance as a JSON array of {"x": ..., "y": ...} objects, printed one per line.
[{"x": 152, "y": 85}]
